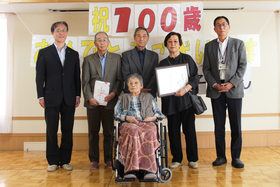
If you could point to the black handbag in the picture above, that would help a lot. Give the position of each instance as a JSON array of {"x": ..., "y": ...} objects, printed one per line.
[{"x": 197, "y": 103}]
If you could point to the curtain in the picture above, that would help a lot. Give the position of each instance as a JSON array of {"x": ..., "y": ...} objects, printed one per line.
[{"x": 6, "y": 72}]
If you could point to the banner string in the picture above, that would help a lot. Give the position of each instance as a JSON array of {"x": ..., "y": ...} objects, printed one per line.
[
  {"x": 264, "y": 26},
  {"x": 21, "y": 20}
]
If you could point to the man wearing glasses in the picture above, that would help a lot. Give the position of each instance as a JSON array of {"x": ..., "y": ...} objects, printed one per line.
[
  {"x": 105, "y": 67},
  {"x": 224, "y": 67},
  {"x": 142, "y": 61},
  {"x": 59, "y": 90}
]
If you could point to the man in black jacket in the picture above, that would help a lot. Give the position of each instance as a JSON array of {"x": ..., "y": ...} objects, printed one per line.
[{"x": 59, "y": 90}]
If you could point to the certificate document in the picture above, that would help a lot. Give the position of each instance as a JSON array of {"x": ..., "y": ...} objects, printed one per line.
[
  {"x": 172, "y": 78},
  {"x": 101, "y": 90}
]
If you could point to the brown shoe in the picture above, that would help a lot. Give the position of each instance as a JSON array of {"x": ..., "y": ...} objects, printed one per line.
[{"x": 109, "y": 164}]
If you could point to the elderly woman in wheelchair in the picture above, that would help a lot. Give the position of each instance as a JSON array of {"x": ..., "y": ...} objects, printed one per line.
[{"x": 138, "y": 136}]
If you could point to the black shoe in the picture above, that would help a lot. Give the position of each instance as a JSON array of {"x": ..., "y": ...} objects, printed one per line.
[
  {"x": 237, "y": 163},
  {"x": 219, "y": 161}
]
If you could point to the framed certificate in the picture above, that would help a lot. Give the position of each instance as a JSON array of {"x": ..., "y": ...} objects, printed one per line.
[{"x": 172, "y": 78}]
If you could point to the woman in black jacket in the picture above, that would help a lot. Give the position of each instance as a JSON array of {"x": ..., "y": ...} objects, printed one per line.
[{"x": 178, "y": 108}]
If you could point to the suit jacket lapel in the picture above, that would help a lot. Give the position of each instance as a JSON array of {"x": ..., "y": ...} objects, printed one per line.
[
  {"x": 67, "y": 53},
  {"x": 55, "y": 54},
  {"x": 97, "y": 64},
  {"x": 229, "y": 56},
  {"x": 107, "y": 65},
  {"x": 215, "y": 53},
  {"x": 136, "y": 60}
]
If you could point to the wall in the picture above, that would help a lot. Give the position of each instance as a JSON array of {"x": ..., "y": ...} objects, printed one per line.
[{"x": 260, "y": 108}]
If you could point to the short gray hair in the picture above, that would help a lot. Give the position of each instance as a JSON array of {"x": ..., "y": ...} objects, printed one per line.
[
  {"x": 135, "y": 75},
  {"x": 141, "y": 28},
  {"x": 100, "y": 32}
]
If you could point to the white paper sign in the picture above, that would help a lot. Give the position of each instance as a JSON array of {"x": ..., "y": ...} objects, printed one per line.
[
  {"x": 101, "y": 90},
  {"x": 252, "y": 45},
  {"x": 157, "y": 45},
  {"x": 42, "y": 41},
  {"x": 191, "y": 18},
  {"x": 123, "y": 19},
  {"x": 129, "y": 44},
  {"x": 99, "y": 18},
  {"x": 169, "y": 18},
  {"x": 147, "y": 17}
]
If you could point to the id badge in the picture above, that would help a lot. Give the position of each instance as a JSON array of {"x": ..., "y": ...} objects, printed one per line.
[{"x": 222, "y": 67}]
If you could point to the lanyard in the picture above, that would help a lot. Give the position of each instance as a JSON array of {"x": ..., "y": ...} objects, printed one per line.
[{"x": 222, "y": 58}]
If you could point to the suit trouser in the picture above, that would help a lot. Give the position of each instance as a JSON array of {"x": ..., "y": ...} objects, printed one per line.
[
  {"x": 219, "y": 107},
  {"x": 94, "y": 117},
  {"x": 187, "y": 118},
  {"x": 59, "y": 155}
]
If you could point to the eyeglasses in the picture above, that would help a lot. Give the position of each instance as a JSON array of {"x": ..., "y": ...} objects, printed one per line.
[
  {"x": 140, "y": 36},
  {"x": 223, "y": 25},
  {"x": 58, "y": 30},
  {"x": 102, "y": 40}
]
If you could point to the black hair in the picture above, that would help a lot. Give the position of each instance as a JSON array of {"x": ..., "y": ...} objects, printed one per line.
[
  {"x": 171, "y": 34},
  {"x": 54, "y": 25},
  {"x": 221, "y": 17}
]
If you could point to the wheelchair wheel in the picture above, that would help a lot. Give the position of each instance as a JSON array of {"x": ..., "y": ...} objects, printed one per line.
[
  {"x": 167, "y": 175},
  {"x": 113, "y": 148}
]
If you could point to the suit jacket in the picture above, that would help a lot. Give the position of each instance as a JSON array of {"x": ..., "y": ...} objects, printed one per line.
[
  {"x": 92, "y": 71},
  {"x": 236, "y": 62},
  {"x": 55, "y": 82},
  {"x": 131, "y": 64}
]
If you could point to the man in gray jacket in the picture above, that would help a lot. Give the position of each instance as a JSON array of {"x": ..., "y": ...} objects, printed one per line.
[
  {"x": 101, "y": 66},
  {"x": 224, "y": 67}
]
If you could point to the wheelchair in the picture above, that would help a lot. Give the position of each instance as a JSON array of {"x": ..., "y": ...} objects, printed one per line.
[{"x": 164, "y": 174}]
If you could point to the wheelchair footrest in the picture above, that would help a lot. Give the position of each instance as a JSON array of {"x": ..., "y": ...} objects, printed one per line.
[
  {"x": 149, "y": 180},
  {"x": 124, "y": 180}
]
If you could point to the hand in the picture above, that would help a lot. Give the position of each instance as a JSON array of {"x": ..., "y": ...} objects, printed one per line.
[
  {"x": 227, "y": 86},
  {"x": 180, "y": 92},
  {"x": 42, "y": 102},
  {"x": 145, "y": 90},
  {"x": 110, "y": 96},
  {"x": 93, "y": 102},
  {"x": 131, "y": 119},
  {"x": 183, "y": 91},
  {"x": 77, "y": 102},
  {"x": 154, "y": 118},
  {"x": 219, "y": 87}
]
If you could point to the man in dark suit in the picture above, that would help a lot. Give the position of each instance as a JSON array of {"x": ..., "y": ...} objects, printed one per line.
[
  {"x": 224, "y": 67},
  {"x": 102, "y": 66},
  {"x": 59, "y": 90},
  {"x": 142, "y": 61}
]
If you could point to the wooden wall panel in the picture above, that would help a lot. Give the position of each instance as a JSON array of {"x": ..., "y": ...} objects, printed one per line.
[
  {"x": 273, "y": 138},
  {"x": 268, "y": 138}
]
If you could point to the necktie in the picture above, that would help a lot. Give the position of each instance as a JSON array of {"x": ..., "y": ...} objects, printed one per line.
[{"x": 141, "y": 56}]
